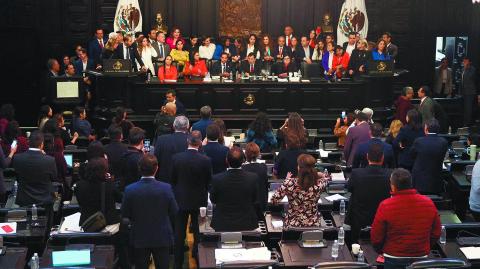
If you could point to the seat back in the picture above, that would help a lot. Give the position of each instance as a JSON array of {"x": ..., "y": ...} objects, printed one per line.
[
  {"x": 439, "y": 263},
  {"x": 341, "y": 265}
]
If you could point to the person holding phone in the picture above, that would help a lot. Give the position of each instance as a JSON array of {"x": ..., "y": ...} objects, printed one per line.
[
  {"x": 341, "y": 127},
  {"x": 4, "y": 163}
]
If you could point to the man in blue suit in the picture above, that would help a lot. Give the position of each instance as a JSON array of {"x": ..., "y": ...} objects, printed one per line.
[
  {"x": 149, "y": 205},
  {"x": 215, "y": 151},
  {"x": 84, "y": 63},
  {"x": 96, "y": 45},
  {"x": 191, "y": 176},
  {"x": 429, "y": 153},
  {"x": 168, "y": 145},
  {"x": 204, "y": 122},
  {"x": 360, "y": 159}
]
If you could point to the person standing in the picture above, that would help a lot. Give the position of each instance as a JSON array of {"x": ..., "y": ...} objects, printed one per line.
[
  {"x": 468, "y": 90},
  {"x": 426, "y": 104},
  {"x": 404, "y": 104},
  {"x": 443, "y": 86}
]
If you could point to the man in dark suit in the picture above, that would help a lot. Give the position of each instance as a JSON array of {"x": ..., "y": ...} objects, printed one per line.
[
  {"x": 215, "y": 151},
  {"x": 356, "y": 136},
  {"x": 35, "y": 173},
  {"x": 191, "y": 176},
  {"x": 360, "y": 159},
  {"x": 204, "y": 122},
  {"x": 429, "y": 153},
  {"x": 351, "y": 44},
  {"x": 171, "y": 97},
  {"x": 168, "y": 145},
  {"x": 150, "y": 205},
  {"x": 468, "y": 90},
  {"x": 223, "y": 67},
  {"x": 234, "y": 193},
  {"x": 96, "y": 45},
  {"x": 284, "y": 68},
  {"x": 251, "y": 67},
  {"x": 369, "y": 186},
  {"x": 281, "y": 50},
  {"x": 115, "y": 150},
  {"x": 127, "y": 51},
  {"x": 84, "y": 63},
  {"x": 304, "y": 53},
  {"x": 391, "y": 48},
  {"x": 426, "y": 107},
  {"x": 129, "y": 161}
]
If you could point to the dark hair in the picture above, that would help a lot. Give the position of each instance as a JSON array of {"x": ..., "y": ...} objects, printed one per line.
[
  {"x": 292, "y": 141},
  {"x": 205, "y": 112},
  {"x": 119, "y": 115},
  {"x": 95, "y": 150},
  {"x": 388, "y": 34},
  {"x": 115, "y": 132},
  {"x": 252, "y": 151},
  {"x": 426, "y": 90},
  {"x": 432, "y": 125},
  {"x": 195, "y": 138},
  {"x": 295, "y": 127},
  {"x": 350, "y": 118},
  {"x": 147, "y": 165},
  {"x": 235, "y": 157},
  {"x": 376, "y": 129},
  {"x": 352, "y": 33},
  {"x": 78, "y": 110},
  {"x": 49, "y": 143},
  {"x": 223, "y": 130},
  {"x": 474, "y": 139},
  {"x": 58, "y": 118},
  {"x": 251, "y": 54},
  {"x": 375, "y": 152},
  {"x": 307, "y": 175},
  {"x": 35, "y": 139},
  {"x": 361, "y": 116},
  {"x": 43, "y": 112},
  {"x": 172, "y": 92},
  {"x": 136, "y": 135},
  {"x": 84, "y": 51},
  {"x": 401, "y": 179},
  {"x": 96, "y": 169},
  {"x": 414, "y": 119},
  {"x": 213, "y": 132},
  {"x": 467, "y": 58},
  {"x": 7, "y": 111},
  {"x": 12, "y": 131},
  {"x": 51, "y": 127},
  {"x": 261, "y": 125}
]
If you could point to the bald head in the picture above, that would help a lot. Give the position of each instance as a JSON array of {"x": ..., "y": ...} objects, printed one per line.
[{"x": 170, "y": 109}]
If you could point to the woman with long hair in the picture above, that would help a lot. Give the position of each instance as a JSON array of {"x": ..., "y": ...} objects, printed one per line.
[
  {"x": 312, "y": 39},
  {"x": 251, "y": 47},
  {"x": 196, "y": 67},
  {"x": 292, "y": 125},
  {"x": 380, "y": 52},
  {"x": 168, "y": 70},
  {"x": 13, "y": 132},
  {"x": 252, "y": 153},
  {"x": 146, "y": 52},
  {"x": 7, "y": 114},
  {"x": 393, "y": 131},
  {"x": 179, "y": 55},
  {"x": 303, "y": 192},
  {"x": 53, "y": 146},
  {"x": 266, "y": 50},
  {"x": 405, "y": 138},
  {"x": 121, "y": 121},
  {"x": 108, "y": 51},
  {"x": 45, "y": 114},
  {"x": 260, "y": 132},
  {"x": 341, "y": 127},
  {"x": 358, "y": 60},
  {"x": 175, "y": 35}
]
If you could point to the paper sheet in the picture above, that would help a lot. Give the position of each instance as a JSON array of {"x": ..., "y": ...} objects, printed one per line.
[
  {"x": 282, "y": 79},
  {"x": 324, "y": 153},
  {"x": 242, "y": 255},
  {"x": 8, "y": 228},
  {"x": 335, "y": 197},
  {"x": 277, "y": 224},
  {"x": 71, "y": 224},
  {"x": 71, "y": 257},
  {"x": 338, "y": 176},
  {"x": 472, "y": 253}
]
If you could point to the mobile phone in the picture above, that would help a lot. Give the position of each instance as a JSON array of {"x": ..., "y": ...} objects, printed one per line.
[
  {"x": 146, "y": 145},
  {"x": 14, "y": 144},
  {"x": 344, "y": 114}
]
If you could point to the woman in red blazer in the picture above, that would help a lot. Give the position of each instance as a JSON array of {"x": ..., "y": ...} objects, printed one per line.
[
  {"x": 340, "y": 61},
  {"x": 167, "y": 71},
  {"x": 196, "y": 70}
]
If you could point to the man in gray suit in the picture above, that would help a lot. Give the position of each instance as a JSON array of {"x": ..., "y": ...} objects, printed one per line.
[
  {"x": 426, "y": 107},
  {"x": 468, "y": 90},
  {"x": 392, "y": 49},
  {"x": 162, "y": 49},
  {"x": 443, "y": 83}
]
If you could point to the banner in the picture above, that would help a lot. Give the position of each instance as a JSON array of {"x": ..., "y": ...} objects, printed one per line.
[
  {"x": 128, "y": 17},
  {"x": 353, "y": 18}
]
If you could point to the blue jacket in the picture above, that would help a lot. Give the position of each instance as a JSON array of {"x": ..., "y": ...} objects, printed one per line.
[
  {"x": 265, "y": 143},
  {"x": 406, "y": 136},
  {"x": 218, "y": 156},
  {"x": 201, "y": 126},
  {"x": 380, "y": 57},
  {"x": 94, "y": 49},
  {"x": 218, "y": 52},
  {"x": 165, "y": 147},
  {"x": 149, "y": 204},
  {"x": 360, "y": 159},
  {"x": 79, "y": 66},
  {"x": 82, "y": 127}
]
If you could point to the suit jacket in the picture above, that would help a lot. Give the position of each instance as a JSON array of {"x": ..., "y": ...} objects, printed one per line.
[
  {"x": 165, "y": 147},
  {"x": 468, "y": 81},
  {"x": 245, "y": 67},
  {"x": 392, "y": 50},
  {"x": 191, "y": 176},
  {"x": 115, "y": 150},
  {"x": 279, "y": 68},
  {"x": 428, "y": 152},
  {"x": 285, "y": 51},
  {"x": 94, "y": 48},
  {"x": 369, "y": 186},
  {"x": 426, "y": 109},
  {"x": 129, "y": 172},
  {"x": 355, "y": 137},
  {"x": 79, "y": 66},
  {"x": 216, "y": 69},
  {"x": 357, "y": 59},
  {"x": 180, "y": 107},
  {"x": 406, "y": 137},
  {"x": 360, "y": 158},
  {"x": 234, "y": 194},
  {"x": 134, "y": 55},
  {"x": 218, "y": 156},
  {"x": 166, "y": 50},
  {"x": 35, "y": 173},
  {"x": 300, "y": 54},
  {"x": 260, "y": 169},
  {"x": 438, "y": 81},
  {"x": 89, "y": 198},
  {"x": 149, "y": 205}
]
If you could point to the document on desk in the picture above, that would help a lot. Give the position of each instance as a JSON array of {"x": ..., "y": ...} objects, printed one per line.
[
  {"x": 277, "y": 224},
  {"x": 71, "y": 224},
  {"x": 242, "y": 255},
  {"x": 335, "y": 197},
  {"x": 471, "y": 253},
  {"x": 282, "y": 79},
  {"x": 8, "y": 228},
  {"x": 324, "y": 153},
  {"x": 338, "y": 176}
]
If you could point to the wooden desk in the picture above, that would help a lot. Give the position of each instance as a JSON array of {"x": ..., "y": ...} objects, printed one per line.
[
  {"x": 101, "y": 257},
  {"x": 293, "y": 255},
  {"x": 452, "y": 250},
  {"x": 14, "y": 258}
]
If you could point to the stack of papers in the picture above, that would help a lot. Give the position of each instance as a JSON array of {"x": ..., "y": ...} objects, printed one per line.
[
  {"x": 242, "y": 255},
  {"x": 471, "y": 253},
  {"x": 335, "y": 197},
  {"x": 71, "y": 224},
  {"x": 282, "y": 79},
  {"x": 277, "y": 224},
  {"x": 324, "y": 153},
  {"x": 294, "y": 79},
  {"x": 338, "y": 176},
  {"x": 8, "y": 228}
]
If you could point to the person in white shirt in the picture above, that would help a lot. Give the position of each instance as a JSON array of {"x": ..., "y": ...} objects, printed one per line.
[
  {"x": 147, "y": 52},
  {"x": 252, "y": 47},
  {"x": 350, "y": 45},
  {"x": 319, "y": 51},
  {"x": 207, "y": 49}
]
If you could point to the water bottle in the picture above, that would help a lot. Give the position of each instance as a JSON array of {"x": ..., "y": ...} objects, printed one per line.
[
  {"x": 360, "y": 257},
  {"x": 443, "y": 235},
  {"x": 34, "y": 212},
  {"x": 341, "y": 236},
  {"x": 335, "y": 250},
  {"x": 231, "y": 75},
  {"x": 449, "y": 129},
  {"x": 15, "y": 188},
  {"x": 35, "y": 262},
  {"x": 148, "y": 76},
  {"x": 209, "y": 210},
  {"x": 325, "y": 172},
  {"x": 342, "y": 207},
  {"x": 320, "y": 145}
]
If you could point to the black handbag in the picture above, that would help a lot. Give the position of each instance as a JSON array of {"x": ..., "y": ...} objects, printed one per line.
[{"x": 96, "y": 222}]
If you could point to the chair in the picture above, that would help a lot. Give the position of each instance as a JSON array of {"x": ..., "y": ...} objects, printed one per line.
[
  {"x": 469, "y": 171},
  {"x": 439, "y": 263},
  {"x": 341, "y": 265}
]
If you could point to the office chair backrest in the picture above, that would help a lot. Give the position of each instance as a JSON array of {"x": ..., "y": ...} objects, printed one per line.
[
  {"x": 342, "y": 265},
  {"x": 439, "y": 263}
]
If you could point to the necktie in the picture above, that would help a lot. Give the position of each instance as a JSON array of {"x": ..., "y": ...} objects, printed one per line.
[
  {"x": 251, "y": 68},
  {"x": 223, "y": 68},
  {"x": 281, "y": 51},
  {"x": 101, "y": 43},
  {"x": 161, "y": 50},
  {"x": 128, "y": 53}
]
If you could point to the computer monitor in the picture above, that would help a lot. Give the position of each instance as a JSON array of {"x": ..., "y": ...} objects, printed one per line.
[
  {"x": 69, "y": 160},
  {"x": 67, "y": 89}
]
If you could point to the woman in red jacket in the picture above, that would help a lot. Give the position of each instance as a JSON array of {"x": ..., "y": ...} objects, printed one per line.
[
  {"x": 196, "y": 70},
  {"x": 168, "y": 70},
  {"x": 340, "y": 61}
]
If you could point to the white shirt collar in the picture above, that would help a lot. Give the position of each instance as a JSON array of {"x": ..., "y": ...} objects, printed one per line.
[
  {"x": 231, "y": 168},
  {"x": 192, "y": 148},
  {"x": 34, "y": 149}
]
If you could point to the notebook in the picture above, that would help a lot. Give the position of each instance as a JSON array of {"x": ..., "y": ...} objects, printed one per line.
[{"x": 71, "y": 257}]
